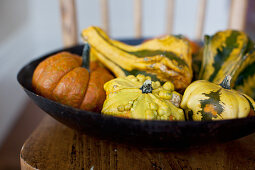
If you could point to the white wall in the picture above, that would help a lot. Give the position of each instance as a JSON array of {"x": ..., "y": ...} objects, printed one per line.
[
  {"x": 25, "y": 33},
  {"x": 16, "y": 48},
  {"x": 31, "y": 28}
]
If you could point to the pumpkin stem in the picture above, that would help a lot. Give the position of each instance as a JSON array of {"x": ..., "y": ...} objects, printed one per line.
[
  {"x": 146, "y": 87},
  {"x": 226, "y": 82},
  {"x": 85, "y": 56}
]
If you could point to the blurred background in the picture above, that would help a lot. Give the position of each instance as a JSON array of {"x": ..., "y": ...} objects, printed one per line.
[{"x": 32, "y": 28}]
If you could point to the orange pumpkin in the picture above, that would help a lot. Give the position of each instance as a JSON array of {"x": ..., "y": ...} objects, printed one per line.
[{"x": 64, "y": 78}]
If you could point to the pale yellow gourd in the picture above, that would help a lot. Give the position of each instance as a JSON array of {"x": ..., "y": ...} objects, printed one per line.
[
  {"x": 203, "y": 100},
  {"x": 140, "y": 98}
]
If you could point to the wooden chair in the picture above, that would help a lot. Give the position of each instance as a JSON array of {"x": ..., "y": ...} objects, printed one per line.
[
  {"x": 55, "y": 146},
  {"x": 237, "y": 18}
]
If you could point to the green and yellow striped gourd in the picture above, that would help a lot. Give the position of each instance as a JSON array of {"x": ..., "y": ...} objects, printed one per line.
[
  {"x": 206, "y": 101},
  {"x": 231, "y": 53},
  {"x": 164, "y": 59}
]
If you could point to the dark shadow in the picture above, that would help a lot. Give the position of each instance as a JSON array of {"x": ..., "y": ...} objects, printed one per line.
[
  {"x": 13, "y": 16},
  {"x": 28, "y": 119}
]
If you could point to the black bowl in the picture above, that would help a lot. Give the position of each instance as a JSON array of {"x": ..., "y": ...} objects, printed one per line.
[{"x": 146, "y": 133}]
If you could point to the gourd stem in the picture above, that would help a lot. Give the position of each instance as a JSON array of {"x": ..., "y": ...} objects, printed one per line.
[
  {"x": 86, "y": 56},
  {"x": 226, "y": 82},
  {"x": 146, "y": 87}
]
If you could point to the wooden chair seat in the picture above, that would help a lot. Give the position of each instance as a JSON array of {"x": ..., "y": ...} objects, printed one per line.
[{"x": 55, "y": 146}]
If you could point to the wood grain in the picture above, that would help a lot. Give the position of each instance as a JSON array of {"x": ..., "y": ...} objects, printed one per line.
[
  {"x": 170, "y": 16},
  {"x": 105, "y": 15},
  {"x": 138, "y": 18},
  {"x": 200, "y": 19},
  {"x": 237, "y": 14},
  {"x": 69, "y": 22},
  {"x": 55, "y": 146}
]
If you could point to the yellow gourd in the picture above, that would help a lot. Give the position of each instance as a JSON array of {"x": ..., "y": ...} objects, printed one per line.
[
  {"x": 164, "y": 59},
  {"x": 203, "y": 100},
  {"x": 140, "y": 98}
]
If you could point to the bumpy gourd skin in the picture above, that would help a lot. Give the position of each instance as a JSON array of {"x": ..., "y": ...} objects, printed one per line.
[
  {"x": 203, "y": 100},
  {"x": 231, "y": 53},
  {"x": 61, "y": 78},
  {"x": 165, "y": 59},
  {"x": 125, "y": 98}
]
